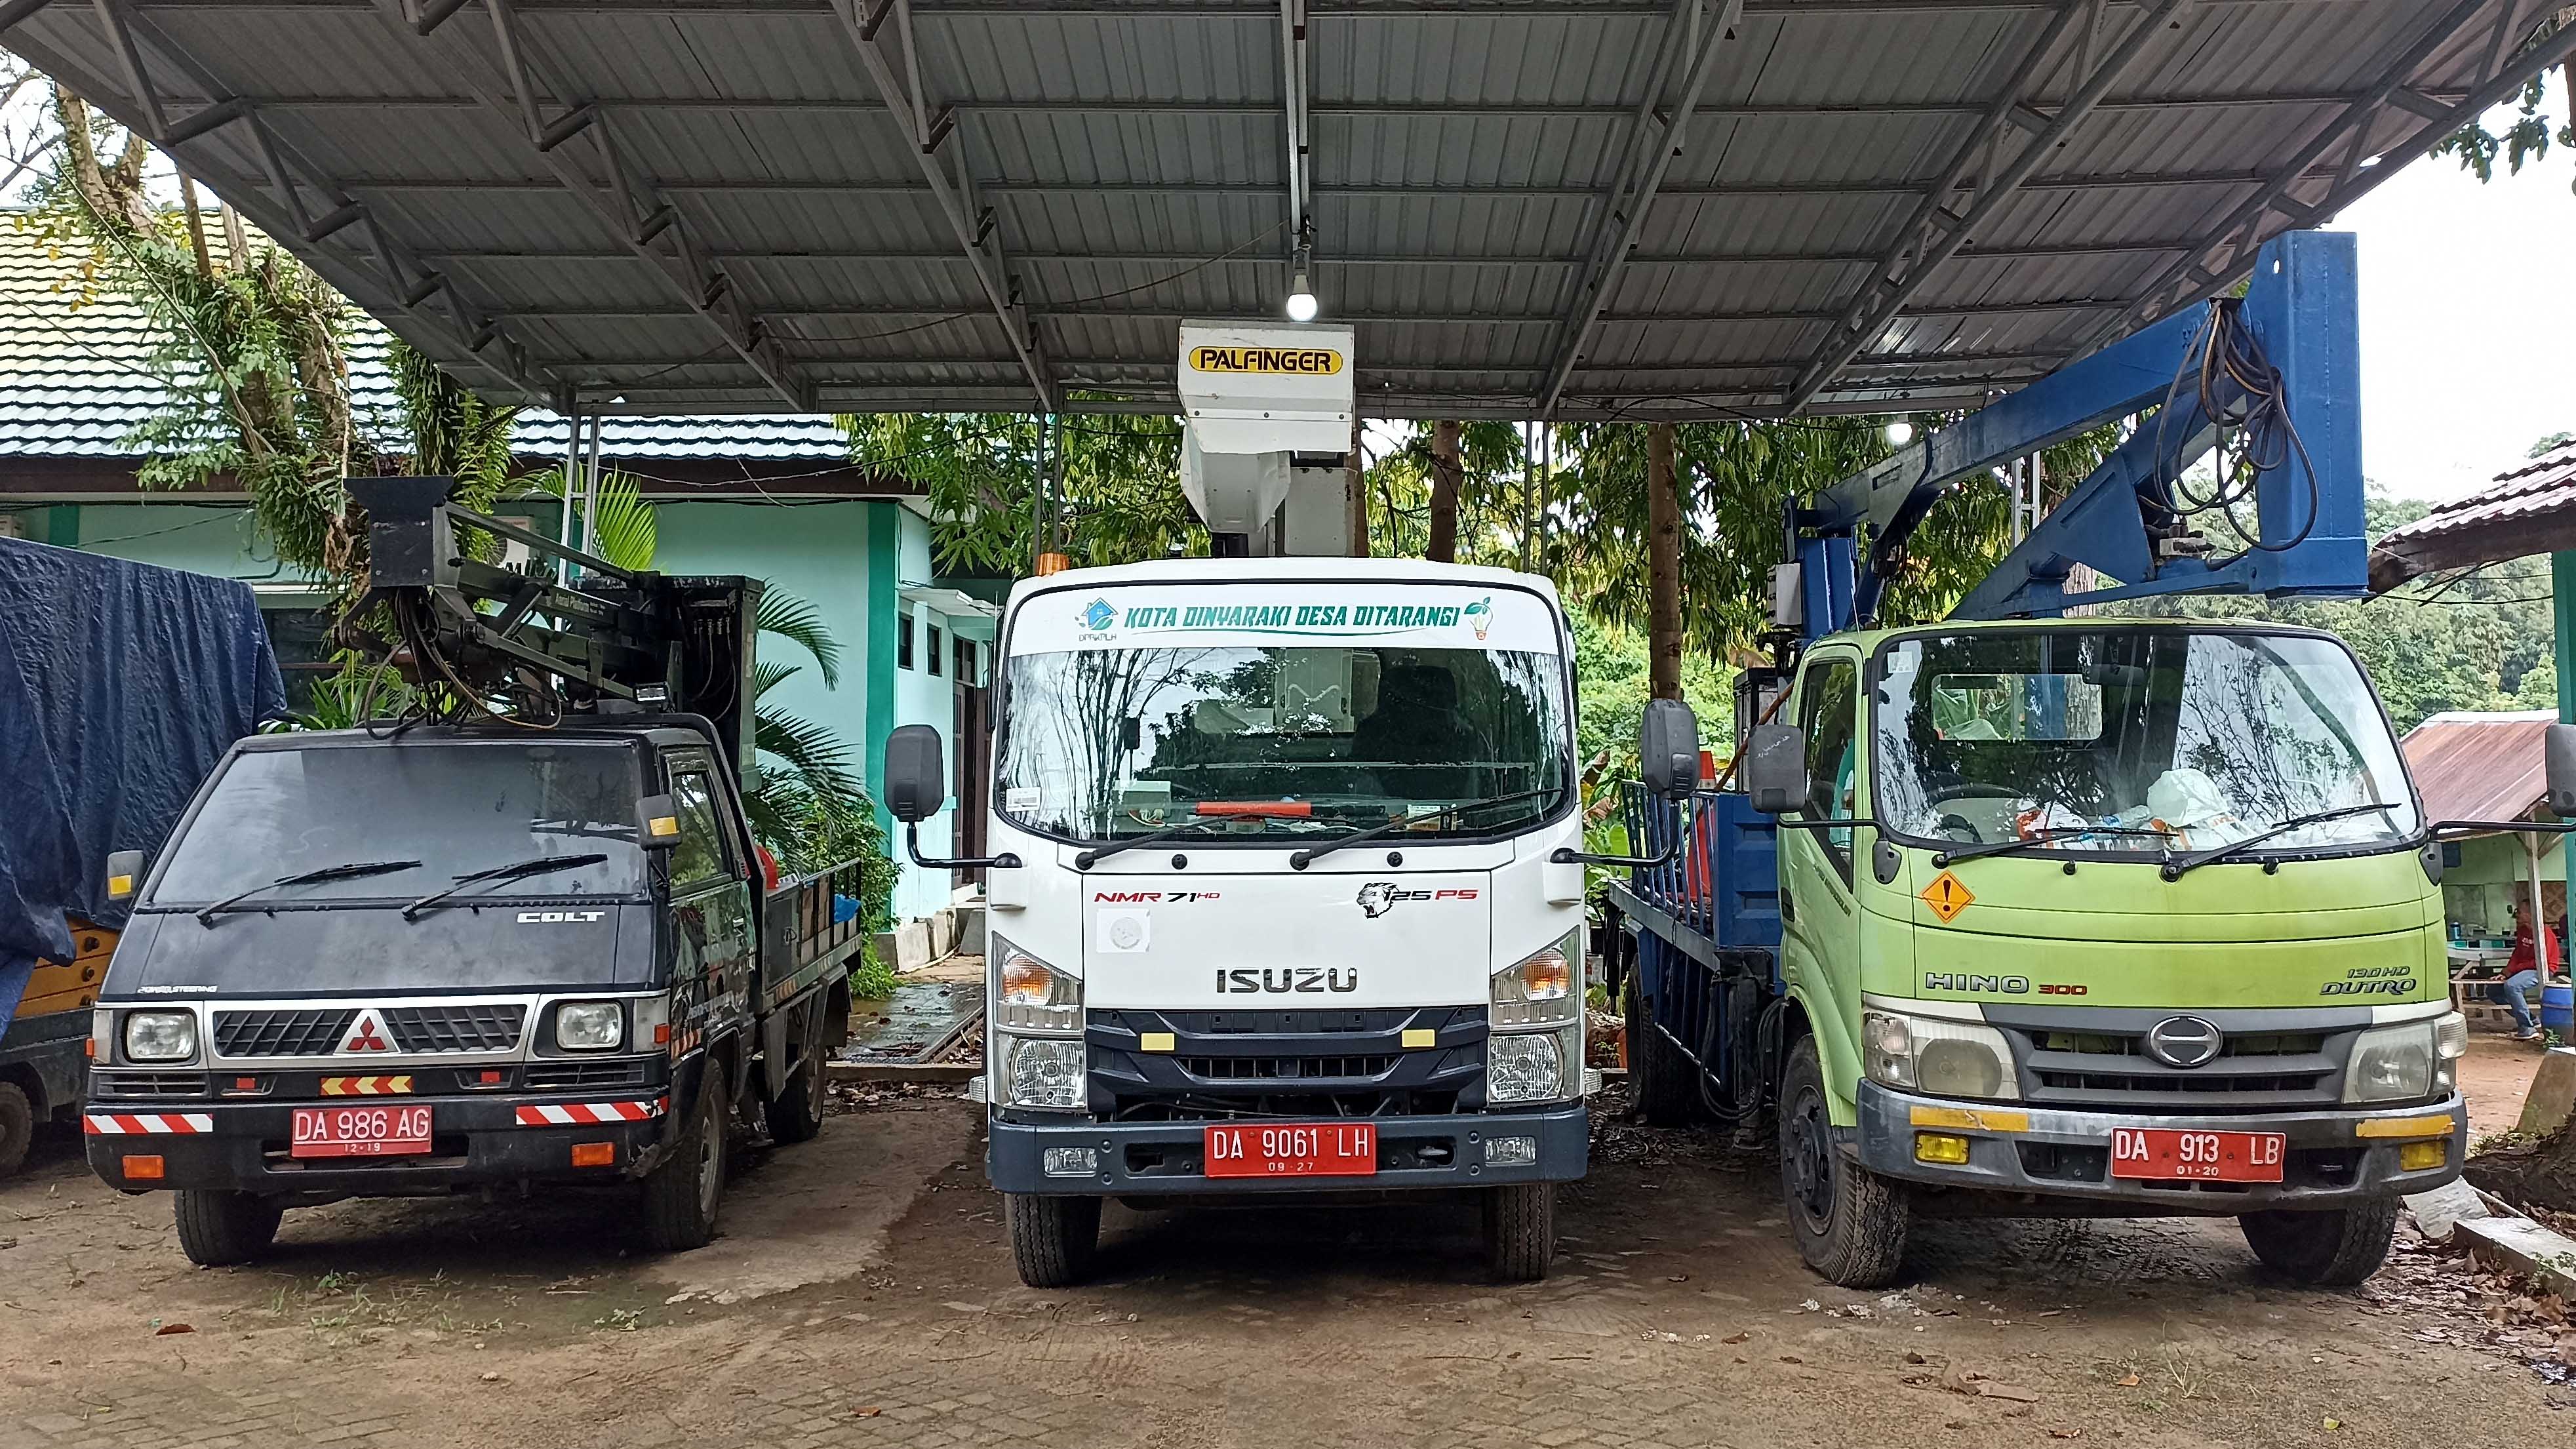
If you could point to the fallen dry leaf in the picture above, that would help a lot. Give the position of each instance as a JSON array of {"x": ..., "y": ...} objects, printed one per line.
[
  {"x": 870, "y": 1412},
  {"x": 170, "y": 1328},
  {"x": 2009, "y": 1393},
  {"x": 2128, "y": 1381},
  {"x": 2065, "y": 1433},
  {"x": 1735, "y": 1338}
]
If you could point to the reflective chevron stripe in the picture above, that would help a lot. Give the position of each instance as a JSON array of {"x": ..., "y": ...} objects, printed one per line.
[
  {"x": 146, "y": 1124},
  {"x": 579, "y": 1114}
]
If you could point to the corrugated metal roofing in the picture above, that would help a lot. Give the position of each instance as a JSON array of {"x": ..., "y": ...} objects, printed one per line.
[
  {"x": 877, "y": 204},
  {"x": 75, "y": 381},
  {"x": 2529, "y": 509},
  {"x": 2472, "y": 766}
]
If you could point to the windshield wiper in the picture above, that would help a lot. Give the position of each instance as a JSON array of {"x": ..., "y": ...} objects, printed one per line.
[
  {"x": 349, "y": 871},
  {"x": 1981, "y": 849},
  {"x": 1099, "y": 853},
  {"x": 1313, "y": 853},
  {"x": 538, "y": 866},
  {"x": 2175, "y": 867}
]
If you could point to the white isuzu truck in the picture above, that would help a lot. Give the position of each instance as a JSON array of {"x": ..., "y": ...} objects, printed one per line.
[{"x": 1286, "y": 891}]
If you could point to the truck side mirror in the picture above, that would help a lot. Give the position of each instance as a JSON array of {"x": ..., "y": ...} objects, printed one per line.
[
  {"x": 2560, "y": 758},
  {"x": 1668, "y": 749},
  {"x": 1774, "y": 769},
  {"x": 124, "y": 874},
  {"x": 661, "y": 822},
  {"x": 916, "y": 773}
]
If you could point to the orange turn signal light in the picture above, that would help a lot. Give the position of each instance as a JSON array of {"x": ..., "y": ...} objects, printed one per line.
[
  {"x": 143, "y": 1167},
  {"x": 594, "y": 1154},
  {"x": 662, "y": 1034}
]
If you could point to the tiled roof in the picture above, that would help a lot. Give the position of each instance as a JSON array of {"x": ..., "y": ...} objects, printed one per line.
[
  {"x": 73, "y": 381},
  {"x": 2528, "y": 509},
  {"x": 2473, "y": 766}
]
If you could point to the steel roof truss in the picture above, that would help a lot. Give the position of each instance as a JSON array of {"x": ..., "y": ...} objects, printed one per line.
[
  {"x": 1884, "y": 296},
  {"x": 955, "y": 192},
  {"x": 400, "y": 275},
  {"x": 705, "y": 294},
  {"x": 1649, "y": 156}
]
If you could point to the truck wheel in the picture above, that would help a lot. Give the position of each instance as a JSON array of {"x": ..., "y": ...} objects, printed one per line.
[
  {"x": 796, "y": 1114},
  {"x": 1053, "y": 1239},
  {"x": 1660, "y": 1079},
  {"x": 1520, "y": 1230},
  {"x": 681, "y": 1195},
  {"x": 2336, "y": 1248},
  {"x": 17, "y": 1127},
  {"x": 1850, "y": 1222},
  {"x": 219, "y": 1228}
]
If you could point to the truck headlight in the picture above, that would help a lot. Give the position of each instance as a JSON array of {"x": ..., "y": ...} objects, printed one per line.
[
  {"x": 1938, "y": 1058},
  {"x": 160, "y": 1036},
  {"x": 1541, "y": 988},
  {"x": 590, "y": 1026},
  {"x": 2405, "y": 1062},
  {"x": 1525, "y": 1066},
  {"x": 1030, "y": 995},
  {"x": 1046, "y": 1072}
]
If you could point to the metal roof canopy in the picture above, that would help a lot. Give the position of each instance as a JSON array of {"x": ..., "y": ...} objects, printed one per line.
[{"x": 1615, "y": 209}]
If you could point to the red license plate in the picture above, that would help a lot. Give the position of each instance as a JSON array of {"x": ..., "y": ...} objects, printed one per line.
[
  {"x": 1327, "y": 1149},
  {"x": 359, "y": 1131},
  {"x": 2166, "y": 1153}
]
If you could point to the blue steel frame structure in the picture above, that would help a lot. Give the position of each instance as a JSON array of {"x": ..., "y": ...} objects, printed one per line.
[{"x": 2301, "y": 307}]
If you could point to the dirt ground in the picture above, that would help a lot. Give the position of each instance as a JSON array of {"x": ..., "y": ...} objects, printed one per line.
[
  {"x": 863, "y": 1295},
  {"x": 2494, "y": 1076}
]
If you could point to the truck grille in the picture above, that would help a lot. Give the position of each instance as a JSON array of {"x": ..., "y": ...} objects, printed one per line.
[
  {"x": 163, "y": 1085},
  {"x": 1285, "y": 1069},
  {"x": 582, "y": 1074},
  {"x": 1316, "y": 1062},
  {"x": 481, "y": 1027},
  {"x": 2253, "y": 1072},
  {"x": 282, "y": 1033}
]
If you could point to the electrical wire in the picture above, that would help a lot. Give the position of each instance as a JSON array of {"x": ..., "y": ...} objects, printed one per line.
[{"x": 2245, "y": 397}]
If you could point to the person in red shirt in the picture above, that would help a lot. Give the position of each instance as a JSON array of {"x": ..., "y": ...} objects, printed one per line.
[{"x": 2535, "y": 954}]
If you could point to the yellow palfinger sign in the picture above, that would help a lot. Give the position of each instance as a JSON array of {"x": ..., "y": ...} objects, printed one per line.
[{"x": 1305, "y": 361}]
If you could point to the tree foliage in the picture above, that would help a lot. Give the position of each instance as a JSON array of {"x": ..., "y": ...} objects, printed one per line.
[
  {"x": 990, "y": 477},
  {"x": 2528, "y": 135}
]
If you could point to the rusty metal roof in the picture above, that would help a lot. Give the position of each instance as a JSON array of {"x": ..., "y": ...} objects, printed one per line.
[
  {"x": 2528, "y": 510},
  {"x": 2472, "y": 766},
  {"x": 1612, "y": 208}
]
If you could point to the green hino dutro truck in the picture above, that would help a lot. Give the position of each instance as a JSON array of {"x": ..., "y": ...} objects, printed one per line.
[{"x": 2019, "y": 913}]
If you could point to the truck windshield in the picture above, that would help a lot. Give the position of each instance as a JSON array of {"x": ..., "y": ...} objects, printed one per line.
[
  {"x": 1288, "y": 741},
  {"x": 2197, "y": 739},
  {"x": 453, "y": 808}
]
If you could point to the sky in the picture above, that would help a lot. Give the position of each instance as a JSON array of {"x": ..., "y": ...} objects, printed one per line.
[{"x": 2468, "y": 321}]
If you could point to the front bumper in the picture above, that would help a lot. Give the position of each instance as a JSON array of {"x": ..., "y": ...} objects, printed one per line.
[
  {"x": 474, "y": 1141},
  {"x": 2333, "y": 1157},
  {"x": 1141, "y": 1159}
]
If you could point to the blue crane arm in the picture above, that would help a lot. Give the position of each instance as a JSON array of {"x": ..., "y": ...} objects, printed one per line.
[{"x": 2300, "y": 312}]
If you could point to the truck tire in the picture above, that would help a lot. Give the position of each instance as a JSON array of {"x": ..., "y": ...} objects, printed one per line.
[
  {"x": 681, "y": 1195},
  {"x": 1053, "y": 1239},
  {"x": 1850, "y": 1222},
  {"x": 2337, "y": 1248},
  {"x": 1520, "y": 1231},
  {"x": 17, "y": 1127},
  {"x": 218, "y": 1228},
  {"x": 797, "y": 1112},
  {"x": 1661, "y": 1081}
]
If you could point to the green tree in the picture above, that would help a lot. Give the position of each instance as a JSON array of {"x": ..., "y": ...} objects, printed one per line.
[
  {"x": 991, "y": 481},
  {"x": 2527, "y": 136}
]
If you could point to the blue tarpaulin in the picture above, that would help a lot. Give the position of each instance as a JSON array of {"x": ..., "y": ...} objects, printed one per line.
[{"x": 121, "y": 686}]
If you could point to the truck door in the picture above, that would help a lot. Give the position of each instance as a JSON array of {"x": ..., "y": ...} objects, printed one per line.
[
  {"x": 710, "y": 895},
  {"x": 1820, "y": 920}
]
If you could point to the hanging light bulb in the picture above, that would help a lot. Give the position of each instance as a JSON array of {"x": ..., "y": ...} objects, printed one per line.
[
  {"x": 1900, "y": 432},
  {"x": 1301, "y": 298}
]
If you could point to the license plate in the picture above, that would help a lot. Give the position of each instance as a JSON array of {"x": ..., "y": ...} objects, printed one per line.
[
  {"x": 359, "y": 1131},
  {"x": 2165, "y": 1152},
  {"x": 1329, "y": 1149}
]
